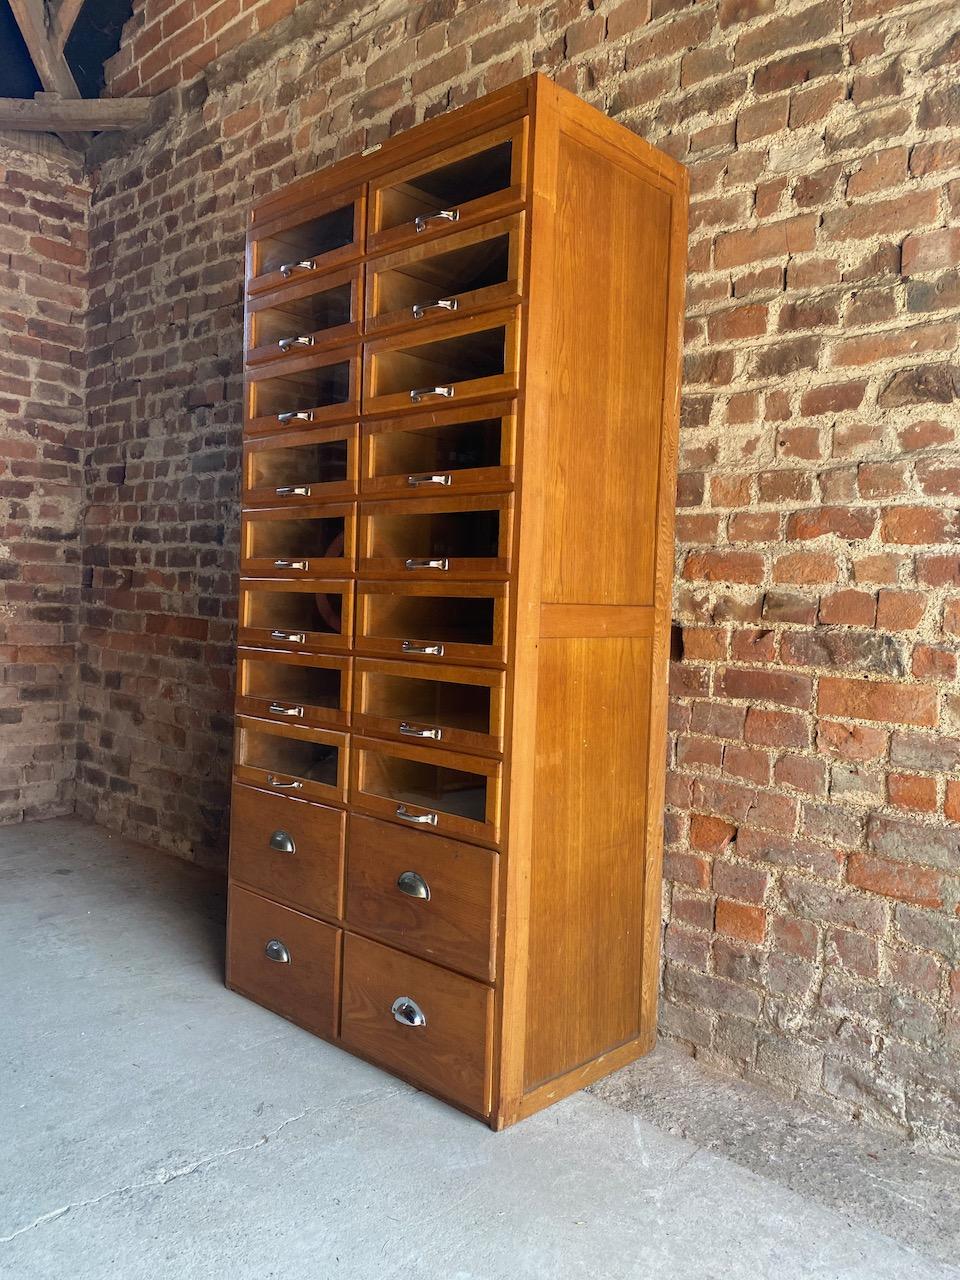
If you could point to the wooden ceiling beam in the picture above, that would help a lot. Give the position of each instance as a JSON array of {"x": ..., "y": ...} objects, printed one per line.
[
  {"x": 62, "y": 18},
  {"x": 49, "y": 113},
  {"x": 55, "y": 75}
]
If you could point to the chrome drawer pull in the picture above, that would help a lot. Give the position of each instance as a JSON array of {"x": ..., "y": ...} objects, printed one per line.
[
  {"x": 413, "y": 885},
  {"x": 425, "y": 562},
  {"x": 413, "y": 732},
  {"x": 291, "y": 564},
  {"x": 286, "y": 343},
  {"x": 277, "y": 709},
  {"x": 417, "y": 394},
  {"x": 297, "y": 637},
  {"x": 296, "y": 415},
  {"x": 443, "y": 215},
  {"x": 416, "y": 481},
  {"x": 293, "y": 491},
  {"x": 408, "y": 1012},
  {"x": 276, "y": 783},
  {"x": 282, "y": 842},
  {"x": 305, "y": 264},
  {"x": 275, "y": 950},
  {"x": 420, "y": 309},
  {"x": 422, "y": 819},
  {"x": 411, "y": 646}
]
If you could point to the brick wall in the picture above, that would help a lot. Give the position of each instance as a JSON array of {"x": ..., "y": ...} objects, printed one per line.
[
  {"x": 44, "y": 205},
  {"x": 813, "y": 833}
]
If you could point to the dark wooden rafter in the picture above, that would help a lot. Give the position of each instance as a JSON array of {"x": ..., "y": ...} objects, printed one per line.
[
  {"x": 47, "y": 55},
  {"x": 62, "y": 17}
]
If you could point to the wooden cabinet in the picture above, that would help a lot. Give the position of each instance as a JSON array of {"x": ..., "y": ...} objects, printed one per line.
[{"x": 462, "y": 388}]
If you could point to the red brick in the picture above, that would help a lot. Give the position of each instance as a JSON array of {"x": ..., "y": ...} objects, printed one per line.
[
  {"x": 775, "y": 728},
  {"x": 881, "y": 217},
  {"x": 951, "y": 803},
  {"x": 931, "y": 251},
  {"x": 844, "y": 522},
  {"x": 877, "y": 700},
  {"x": 738, "y": 323},
  {"x": 849, "y": 608},
  {"x": 761, "y": 685},
  {"x": 918, "y": 526},
  {"x": 770, "y": 240},
  {"x": 737, "y": 920},
  {"x": 910, "y": 791},
  {"x": 932, "y": 663},
  {"x": 903, "y": 881},
  {"x": 805, "y": 567},
  {"x": 900, "y": 610},
  {"x": 851, "y": 741},
  {"x": 709, "y": 834},
  {"x": 723, "y": 566}
]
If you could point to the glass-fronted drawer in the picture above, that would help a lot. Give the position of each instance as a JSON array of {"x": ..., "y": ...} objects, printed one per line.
[
  {"x": 316, "y": 313},
  {"x": 311, "y": 389},
  {"x": 464, "y": 622},
  {"x": 470, "y": 271},
  {"x": 297, "y": 616},
  {"x": 297, "y": 467},
  {"x": 427, "y": 789},
  {"x": 472, "y": 182},
  {"x": 456, "y": 707},
  {"x": 443, "y": 451},
  {"x": 318, "y": 542},
  {"x": 296, "y": 688},
  {"x": 291, "y": 760},
  {"x": 461, "y": 360},
  {"x": 457, "y": 537},
  {"x": 297, "y": 245}
]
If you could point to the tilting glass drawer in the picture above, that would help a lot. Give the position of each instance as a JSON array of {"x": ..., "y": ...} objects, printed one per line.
[
  {"x": 309, "y": 390},
  {"x": 298, "y": 616},
  {"x": 427, "y": 789},
  {"x": 467, "y": 272},
  {"x": 456, "y": 707},
  {"x": 462, "y": 360},
  {"x": 457, "y": 537},
  {"x": 311, "y": 543},
  {"x": 307, "y": 763},
  {"x": 448, "y": 450},
  {"x": 297, "y": 467},
  {"x": 294, "y": 688},
  {"x": 469, "y": 183},
  {"x": 465, "y": 622},
  {"x": 295, "y": 246},
  {"x": 310, "y": 315}
]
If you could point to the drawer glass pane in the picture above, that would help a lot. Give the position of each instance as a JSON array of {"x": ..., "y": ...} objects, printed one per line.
[
  {"x": 454, "y": 619},
  {"x": 300, "y": 466},
  {"x": 454, "y": 446},
  {"x": 294, "y": 611},
  {"x": 430, "y": 364},
  {"x": 289, "y": 757},
  {"x": 443, "y": 275},
  {"x": 303, "y": 540},
  {"x": 292, "y": 393},
  {"x": 428, "y": 702},
  {"x": 448, "y": 186},
  {"x": 428, "y": 786},
  {"x": 431, "y": 534},
  {"x": 306, "y": 241},
  {"x": 301, "y": 317},
  {"x": 291, "y": 685}
]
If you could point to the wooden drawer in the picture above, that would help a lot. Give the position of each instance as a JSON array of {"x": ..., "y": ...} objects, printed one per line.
[
  {"x": 301, "y": 982},
  {"x": 436, "y": 898},
  {"x": 310, "y": 764},
  {"x": 308, "y": 543},
  {"x": 442, "y": 537},
  {"x": 288, "y": 849},
  {"x": 461, "y": 360},
  {"x": 427, "y": 789},
  {"x": 470, "y": 271},
  {"x": 460, "y": 622},
  {"x": 468, "y": 183},
  {"x": 449, "y": 1052},
  {"x": 306, "y": 390},
  {"x": 299, "y": 467},
  {"x": 294, "y": 688},
  {"x": 465, "y": 450},
  {"x": 296, "y": 245},
  {"x": 458, "y": 707},
  {"x": 297, "y": 616},
  {"x": 309, "y": 316}
]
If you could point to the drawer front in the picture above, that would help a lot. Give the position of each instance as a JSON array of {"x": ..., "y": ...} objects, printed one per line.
[
  {"x": 469, "y": 183},
  {"x": 462, "y": 622},
  {"x": 455, "y": 707},
  {"x": 296, "y": 616},
  {"x": 440, "y": 1035},
  {"x": 425, "y": 789},
  {"x": 430, "y": 896},
  {"x": 437, "y": 537},
  {"x": 465, "y": 450},
  {"x": 297, "y": 245},
  {"x": 315, "y": 542},
  {"x": 309, "y": 764},
  {"x": 289, "y": 850},
  {"x": 306, "y": 391},
  {"x": 294, "y": 688},
  {"x": 308, "y": 316},
  {"x": 283, "y": 960},
  {"x": 296, "y": 468},
  {"x": 462, "y": 360},
  {"x": 470, "y": 271}
]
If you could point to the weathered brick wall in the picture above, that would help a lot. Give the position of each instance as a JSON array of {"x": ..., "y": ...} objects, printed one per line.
[
  {"x": 813, "y": 834},
  {"x": 44, "y": 205}
]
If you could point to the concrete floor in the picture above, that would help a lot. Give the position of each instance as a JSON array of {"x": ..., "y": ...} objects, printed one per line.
[{"x": 155, "y": 1125}]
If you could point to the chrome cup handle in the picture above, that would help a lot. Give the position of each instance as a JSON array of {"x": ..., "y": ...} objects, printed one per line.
[{"x": 408, "y": 1012}]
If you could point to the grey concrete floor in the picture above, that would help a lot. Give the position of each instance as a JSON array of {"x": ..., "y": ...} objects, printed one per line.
[{"x": 156, "y": 1125}]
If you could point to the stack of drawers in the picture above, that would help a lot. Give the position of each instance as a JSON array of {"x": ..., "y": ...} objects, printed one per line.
[{"x": 382, "y": 614}]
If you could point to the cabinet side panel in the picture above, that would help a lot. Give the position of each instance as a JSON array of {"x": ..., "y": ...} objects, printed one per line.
[
  {"x": 587, "y": 868},
  {"x": 611, "y": 249}
]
